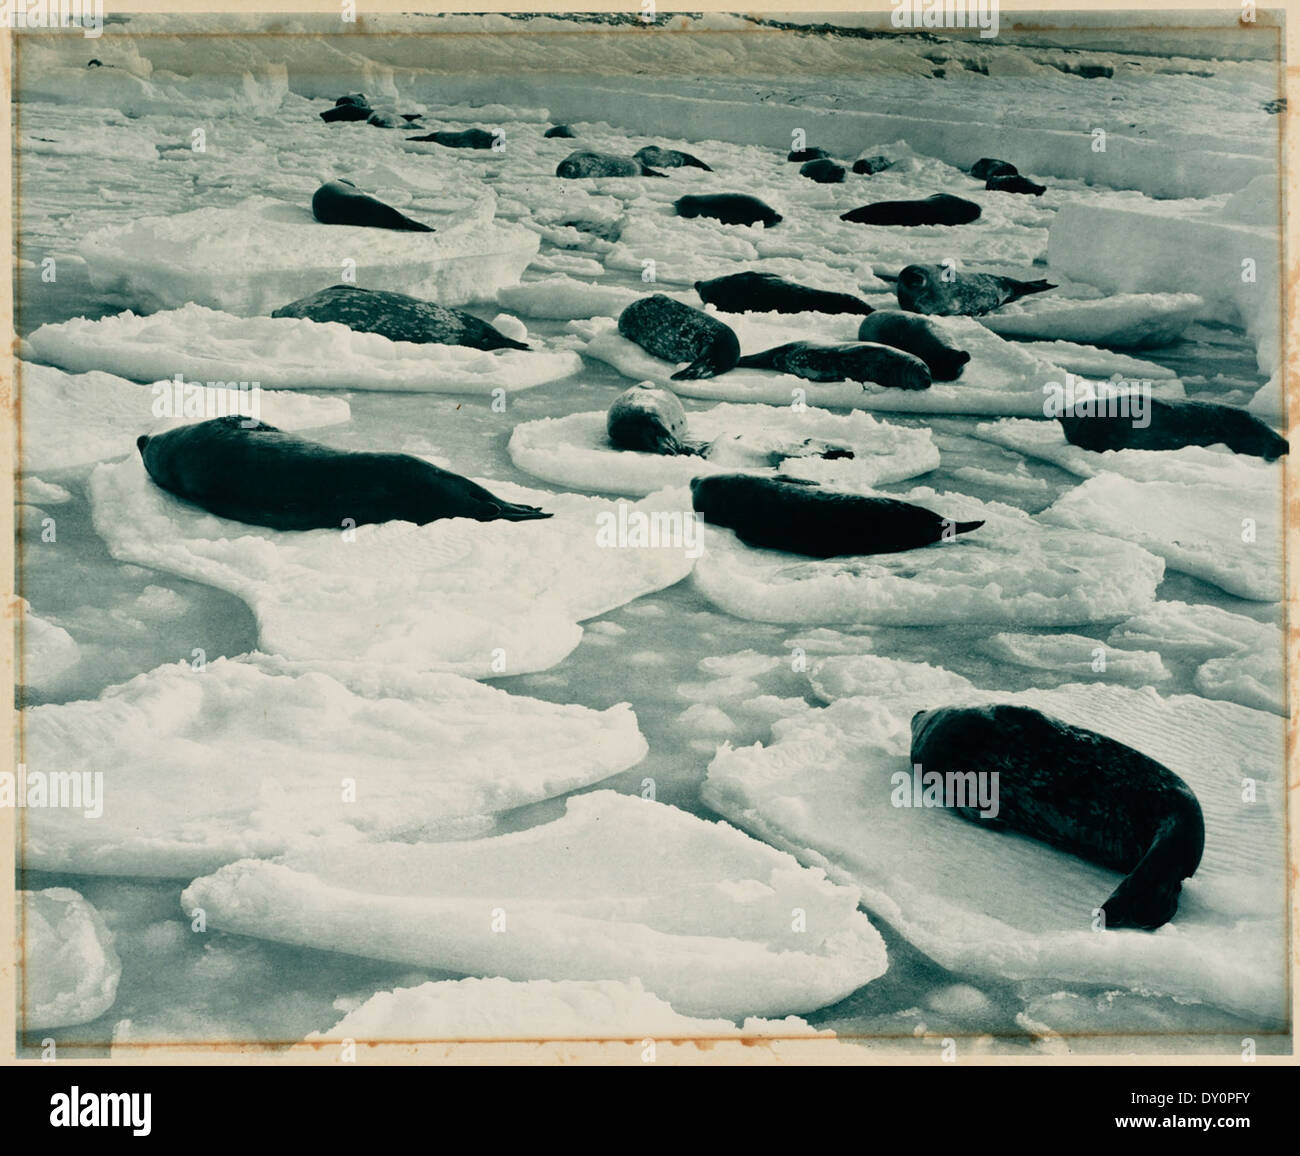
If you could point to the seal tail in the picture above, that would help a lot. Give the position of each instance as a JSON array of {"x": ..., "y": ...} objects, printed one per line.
[
  {"x": 1024, "y": 288},
  {"x": 755, "y": 361},
  {"x": 967, "y": 527},
  {"x": 696, "y": 163},
  {"x": 647, "y": 171},
  {"x": 513, "y": 512},
  {"x": 511, "y": 343},
  {"x": 406, "y": 225}
]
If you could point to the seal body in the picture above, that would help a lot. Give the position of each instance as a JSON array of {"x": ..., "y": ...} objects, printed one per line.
[
  {"x": 342, "y": 203},
  {"x": 929, "y": 289},
  {"x": 585, "y": 163},
  {"x": 866, "y": 166},
  {"x": 729, "y": 208},
  {"x": 803, "y": 518},
  {"x": 1079, "y": 791},
  {"x": 669, "y": 158},
  {"x": 852, "y": 361},
  {"x": 559, "y": 130},
  {"x": 354, "y": 106},
  {"x": 1015, "y": 183},
  {"x": 648, "y": 419},
  {"x": 238, "y": 468},
  {"x": 940, "y": 209},
  {"x": 801, "y": 156},
  {"x": 919, "y": 337},
  {"x": 470, "y": 138},
  {"x": 669, "y": 330},
  {"x": 768, "y": 293},
  {"x": 987, "y": 167},
  {"x": 1173, "y": 425},
  {"x": 397, "y": 317},
  {"x": 824, "y": 172}
]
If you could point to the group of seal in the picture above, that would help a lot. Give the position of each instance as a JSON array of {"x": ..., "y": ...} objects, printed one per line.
[
  {"x": 1079, "y": 791},
  {"x": 254, "y": 473},
  {"x": 355, "y": 107},
  {"x": 1004, "y": 177}
]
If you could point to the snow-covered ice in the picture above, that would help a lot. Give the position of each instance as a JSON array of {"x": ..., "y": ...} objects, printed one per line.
[
  {"x": 619, "y": 888},
  {"x": 472, "y": 598},
  {"x": 575, "y": 450},
  {"x": 69, "y": 971},
  {"x": 202, "y": 767}
]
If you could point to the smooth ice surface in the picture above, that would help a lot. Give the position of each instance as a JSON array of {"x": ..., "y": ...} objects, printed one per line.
[
  {"x": 995, "y": 904},
  {"x": 258, "y": 255},
  {"x": 1000, "y": 378},
  {"x": 73, "y": 420},
  {"x": 286, "y": 353},
  {"x": 1012, "y": 571},
  {"x": 618, "y": 888},
  {"x": 472, "y": 1009},
  {"x": 1127, "y": 320},
  {"x": 69, "y": 970},
  {"x": 473, "y": 598},
  {"x": 1231, "y": 538},
  {"x": 575, "y": 450},
  {"x": 250, "y": 759}
]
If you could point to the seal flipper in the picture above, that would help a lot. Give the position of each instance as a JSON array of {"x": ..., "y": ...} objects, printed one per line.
[
  {"x": 647, "y": 171},
  {"x": 1024, "y": 288},
  {"x": 700, "y": 367},
  {"x": 967, "y": 527},
  {"x": 1148, "y": 897},
  {"x": 499, "y": 511}
]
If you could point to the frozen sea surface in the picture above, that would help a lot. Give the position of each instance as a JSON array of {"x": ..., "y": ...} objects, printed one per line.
[{"x": 107, "y": 148}]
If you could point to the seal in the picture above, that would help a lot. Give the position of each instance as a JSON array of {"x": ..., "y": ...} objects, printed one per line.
[
  {"x": 1078, "y": 791},
  {"x": 669, "y": 330},
  {"x": 929, "y": 289},
  {"x": 1173, "y": 425},
  {"x": 867, "y": 166},
  {"x": 919, "y": 337},
  {"x": 940, "y": 209},
  {"x": 987, "y": 167},
  {"x": 241, "y": 469},
  {"x": 800, "y": 156},
  {"x": 669, "y": 158},
  {"x": 342, "y": 203},
  {"x": 560, "y": 130},
  {"x": 729, "y": 208},
  {"x": 585, "y": 163},
  {"x": 470, "y": 138},
  {"x": 650, "y": 420},
  {"x": 1014, "y": 183},
  {"x": 862, "y": 361},
  {"x": 398, "y": 317},
  {"x": 354, "y": 106},
  {"x": 768, "y": 293},
  {"x": 824, "y": 172},
  {"x": 801, "y": 517}
]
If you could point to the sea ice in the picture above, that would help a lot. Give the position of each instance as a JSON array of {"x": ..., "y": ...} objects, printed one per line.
[
  {"x": 1077, "y": 655},
  {"x": 473, "y": 598},
  {"x": 1124, "y": 320},
  {"x": 1012, "y": 571},
  {"x": 69, "y": 970},
  {"x": 203, "y": 767},
  {"x": 1000, "y": 905},
  {"x": 619, "y": 888},
  {"x": 47, "y": 650},
  {"x": 285, "y": 353},
  {"x": 575, "y": 451}
]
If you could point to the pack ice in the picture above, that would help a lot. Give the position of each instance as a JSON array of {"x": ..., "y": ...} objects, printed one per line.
[
  {"x": 69, "y": 968},
  {"x": 472, "y": 598},
  {"x": 575, "y": 450},
  {"x": 285, "y": 353},
  {"x": 539, "y": 1009},
  {"x": 1000, "y": 378},
  {"x": 250, "y": 759},
  {"x": 618, "y": 888},
  {"x": 71, "y": 420},
  {"x": 1014, "y": 570},
  {"x": 994, "y": 904},
  {"x": 258, "y": 255}
]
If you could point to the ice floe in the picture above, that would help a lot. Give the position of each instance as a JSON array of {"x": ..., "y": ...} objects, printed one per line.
[
  {"x": 70, "y": 971},
  {"x": 575, "y": 450},
  {"x": 473, "y": 598},
  {"x": 1013, "y": 571},
  {"x": 203, "y": 767},
  {"x": 285, "y": 353},
  {"x": 988, "y": 904},
  {"x": 1125, "y": 320},
  {"x": 73, "y": 420},
  {"x": 619, "y": 888}
]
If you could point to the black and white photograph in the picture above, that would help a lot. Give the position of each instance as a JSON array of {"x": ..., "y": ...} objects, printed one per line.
[{"x": 644, "y": 536}]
